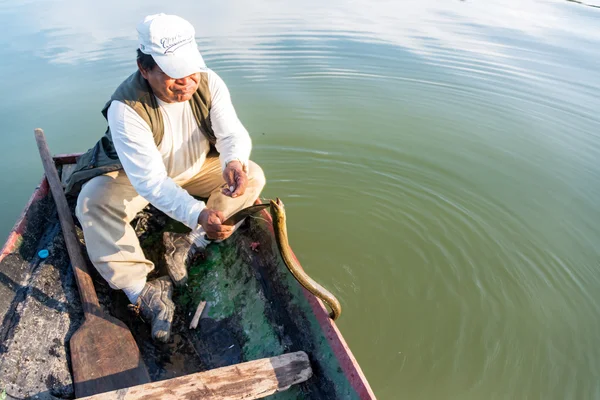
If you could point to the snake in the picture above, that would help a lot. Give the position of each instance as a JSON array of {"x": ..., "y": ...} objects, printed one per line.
[{"x": 279, "y": 226}]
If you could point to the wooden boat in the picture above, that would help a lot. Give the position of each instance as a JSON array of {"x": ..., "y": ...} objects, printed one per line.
[{"x": 255, "y": 309}]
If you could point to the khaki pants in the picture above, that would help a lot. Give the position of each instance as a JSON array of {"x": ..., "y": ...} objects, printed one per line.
[{"x": 108, "y": 203}]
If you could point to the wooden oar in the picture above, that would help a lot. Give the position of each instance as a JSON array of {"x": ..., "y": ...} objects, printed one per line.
[{"x": 104, "y": 355}]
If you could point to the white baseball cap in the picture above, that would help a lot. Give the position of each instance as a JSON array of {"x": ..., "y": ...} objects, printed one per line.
[{"x": 171, "y": 41}]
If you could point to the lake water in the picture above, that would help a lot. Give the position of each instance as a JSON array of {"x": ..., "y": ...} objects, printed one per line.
[{"x": 439, "y": 161}]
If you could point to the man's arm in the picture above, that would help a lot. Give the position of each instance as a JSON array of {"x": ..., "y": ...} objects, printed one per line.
[
  {"x": 144, "y": 166},
  {"x": 233, "y": 140}
]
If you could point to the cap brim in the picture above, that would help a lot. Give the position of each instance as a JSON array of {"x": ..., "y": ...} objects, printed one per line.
[{"x": 181, "y": 63}]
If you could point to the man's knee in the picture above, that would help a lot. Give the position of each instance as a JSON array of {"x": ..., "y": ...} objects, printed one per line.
[
  {"x": 93, "y": 198},
  {"x": 256, "y": 175},
  {"x": 87, "y": 201},
  {"x": 109, "y": 196}
]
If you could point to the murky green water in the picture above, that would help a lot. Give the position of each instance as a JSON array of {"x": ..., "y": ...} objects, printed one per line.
[{"x": 439, "y": 161}]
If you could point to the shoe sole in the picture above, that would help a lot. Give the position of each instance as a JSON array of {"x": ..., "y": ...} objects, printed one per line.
[{"x": 169, "y": 260}]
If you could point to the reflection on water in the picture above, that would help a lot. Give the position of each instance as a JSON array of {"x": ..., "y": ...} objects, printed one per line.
[{"x": 438, "y": 161}]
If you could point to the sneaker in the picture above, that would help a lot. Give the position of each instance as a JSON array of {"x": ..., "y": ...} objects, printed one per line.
[
  {"x": 179, "y": 252},
  {"x": 155, "y": 305}
]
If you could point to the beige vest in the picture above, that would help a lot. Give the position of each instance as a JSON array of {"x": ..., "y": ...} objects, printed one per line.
[{"x": 137, "y": 94}]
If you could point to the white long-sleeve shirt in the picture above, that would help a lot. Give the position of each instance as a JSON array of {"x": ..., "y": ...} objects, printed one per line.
[{"x": 157, "y": 173}]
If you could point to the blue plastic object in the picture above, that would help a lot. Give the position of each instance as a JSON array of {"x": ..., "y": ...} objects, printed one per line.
[{"x": 43, "y": 253}]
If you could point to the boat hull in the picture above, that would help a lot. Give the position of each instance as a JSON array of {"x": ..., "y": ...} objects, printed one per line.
[{"x": 255, "y": 308}]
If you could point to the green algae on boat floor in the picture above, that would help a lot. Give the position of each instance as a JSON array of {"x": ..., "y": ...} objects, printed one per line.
[
  {"x": 236, "y": 312},
  {"x": 255, "y": 308}
]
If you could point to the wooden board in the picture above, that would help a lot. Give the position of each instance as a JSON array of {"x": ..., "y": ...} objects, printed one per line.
[{"x": 249, "y": 380}]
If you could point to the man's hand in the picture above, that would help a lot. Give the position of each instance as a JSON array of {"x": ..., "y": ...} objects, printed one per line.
[
  {"x": 211, "y": 221},
  {"x": 236, "y": 178}
]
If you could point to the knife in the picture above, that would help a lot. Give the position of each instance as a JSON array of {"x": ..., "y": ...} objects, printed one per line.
[{"x": 245, "y": 212}]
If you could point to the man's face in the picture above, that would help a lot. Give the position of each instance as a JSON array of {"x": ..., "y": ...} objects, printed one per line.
[{"x": 168, "y": 89}]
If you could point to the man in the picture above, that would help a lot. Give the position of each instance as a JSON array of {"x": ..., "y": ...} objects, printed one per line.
[{"x": 163, "y": 122}]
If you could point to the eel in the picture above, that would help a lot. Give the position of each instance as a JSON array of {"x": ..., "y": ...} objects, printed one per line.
[{"x": 280, "y": 229}]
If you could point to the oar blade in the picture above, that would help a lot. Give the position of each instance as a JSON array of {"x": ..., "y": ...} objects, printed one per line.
[{"x": 105, "y": 357}]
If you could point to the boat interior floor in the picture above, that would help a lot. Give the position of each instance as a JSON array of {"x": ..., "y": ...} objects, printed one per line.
[{"x": 40, "y": 309}]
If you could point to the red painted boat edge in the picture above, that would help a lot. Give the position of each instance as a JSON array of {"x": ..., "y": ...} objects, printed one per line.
[
  {"x": 340, "y": 348},
  {"x": 39, "y": 193},
  {"x": 18, "y": 229},
  {"x": 62, "y": 159}
]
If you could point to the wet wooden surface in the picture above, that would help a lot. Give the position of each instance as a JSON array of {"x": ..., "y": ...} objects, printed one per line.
[{"x": 250, "y": 380}]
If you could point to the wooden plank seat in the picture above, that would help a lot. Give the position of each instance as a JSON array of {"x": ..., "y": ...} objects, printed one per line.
[{"x": 250, "y": 380}]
